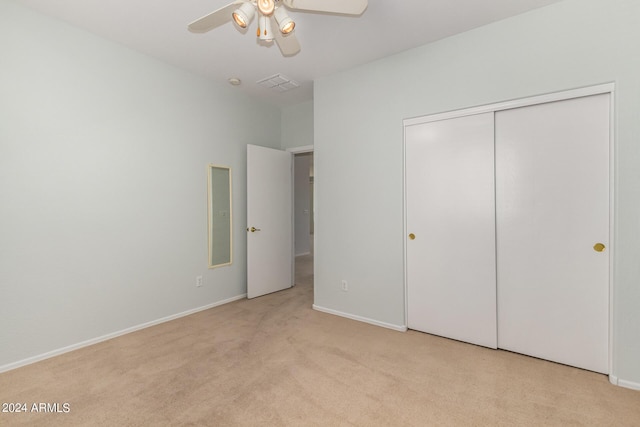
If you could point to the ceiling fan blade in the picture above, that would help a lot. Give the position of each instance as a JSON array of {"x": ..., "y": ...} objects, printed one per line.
[
  {"x": 288, "y": 44},
  {"x": 347, "y": 7},
  {"x": 214, "y": 19}
]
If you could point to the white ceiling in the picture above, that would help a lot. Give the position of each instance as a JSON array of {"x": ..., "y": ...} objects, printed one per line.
[{"x": 330, "y": 43}]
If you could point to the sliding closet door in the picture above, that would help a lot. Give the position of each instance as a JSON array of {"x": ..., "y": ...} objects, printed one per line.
[
  {"x": 552, "y": 205},
  {"x": 450, "y": 217}
]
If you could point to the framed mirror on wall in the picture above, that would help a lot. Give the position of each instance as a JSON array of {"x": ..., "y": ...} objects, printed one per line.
[{"x": 220, "y": 216}]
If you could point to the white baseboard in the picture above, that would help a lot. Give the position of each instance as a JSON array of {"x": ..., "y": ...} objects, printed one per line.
[
  {"x": 57, "y": 352},
  {"x": 624, "y": 383},
  {"x": 401, "y": 328},
  {"x": 629, "y": 384}
]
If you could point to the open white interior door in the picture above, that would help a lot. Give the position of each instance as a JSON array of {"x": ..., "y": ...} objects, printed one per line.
[{"x": 269, "y": 221}]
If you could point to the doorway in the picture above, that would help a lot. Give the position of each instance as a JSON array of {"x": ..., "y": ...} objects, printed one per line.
[
  {"x": 303, "y": 196},
  {"x": 279, "y": 219}
]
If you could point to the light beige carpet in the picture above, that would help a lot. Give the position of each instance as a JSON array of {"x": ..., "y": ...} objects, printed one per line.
[{"x": 273, "y": 361}]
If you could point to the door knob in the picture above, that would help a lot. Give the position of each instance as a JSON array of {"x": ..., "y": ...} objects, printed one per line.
[
  {"x": 599, "y": 247},
  {"x": 253, "y": 229},
  {"x": 412, "y": 236}
]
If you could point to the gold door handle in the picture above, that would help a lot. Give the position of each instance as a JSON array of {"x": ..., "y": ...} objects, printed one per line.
[
  {"x": 412, "y": 236},
  {"x": 253, "y": 229},
  {"x": 599, "y": 247}
]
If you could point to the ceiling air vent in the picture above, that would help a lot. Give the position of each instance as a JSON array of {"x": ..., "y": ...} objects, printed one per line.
[{"x": 278, "y": 83}]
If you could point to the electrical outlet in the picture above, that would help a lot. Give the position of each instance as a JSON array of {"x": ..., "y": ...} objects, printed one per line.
[
  {"x": 198, "y": 281},
  {"x": 345, "y": 286}
]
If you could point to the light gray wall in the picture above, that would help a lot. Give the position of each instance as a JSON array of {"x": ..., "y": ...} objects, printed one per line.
[
  {"x": 103, "y": 208},
  {"x": 297, "y": 125},
  {"x": 358, "y": 145}
]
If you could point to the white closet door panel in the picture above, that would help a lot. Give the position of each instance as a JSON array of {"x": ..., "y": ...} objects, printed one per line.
[
  {"x": 552, "y": 206},
  {"x": 451, "y": 282}
]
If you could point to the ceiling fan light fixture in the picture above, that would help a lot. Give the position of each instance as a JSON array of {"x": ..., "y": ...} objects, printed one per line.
[
  {"x": 285, "y": 23},
  {"x": 266, "y": 7},
  {"x": 243, "y": 11},
  {"x": 244, "y": 14}
]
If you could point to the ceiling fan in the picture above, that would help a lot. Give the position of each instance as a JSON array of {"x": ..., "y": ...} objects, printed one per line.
[{"x": 274, "y": 12}]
